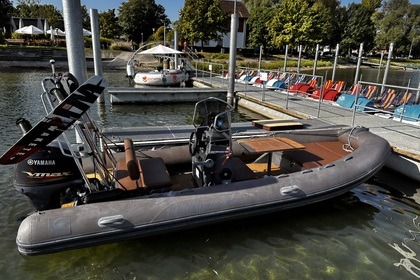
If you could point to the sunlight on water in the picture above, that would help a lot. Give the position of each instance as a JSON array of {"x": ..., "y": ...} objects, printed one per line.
[
  {"x": 406, "y": 241},
  {"x": 411, "y": 260}
]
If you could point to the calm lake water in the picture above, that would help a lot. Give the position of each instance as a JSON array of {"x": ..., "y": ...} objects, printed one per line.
[{"x": 372, "y": 232}]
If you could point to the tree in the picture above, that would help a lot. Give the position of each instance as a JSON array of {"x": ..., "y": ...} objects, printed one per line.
[
  {"x": 394, "y": 25},
  {"x": 252, "y": 4},
  {"x": 32, "y": 9},
  {"x": 258, "y": 34},
  {"x": 371, "y": 5},
  {"x": 202, "y": 20},
  {"x": 359, "y": 29},
  {"x": 414, "y": 33},
  {"x": 85, "y": 18},
  {"x": 5, "y": 13},
  {"x": 330, "y": 25},
  {"x": 295, "y": 23},
  {"x": 108, "y": 24},
  {"x": 137, "y": 17}
]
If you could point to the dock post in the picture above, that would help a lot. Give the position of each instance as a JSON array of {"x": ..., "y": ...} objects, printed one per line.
[
  {"x": 176, "y": 48},
  {"x": 285, "y": 58},
  {"x": 96, "y": 46},
  {"x": 391, "y": 47},
  {"x": 72, "y": 15},
  {"x": 316, "y": 59},
  {"x": 359, "y": 62},
  {"x": 232, "y": 56},
  {"x": 417, "y": 100},
  {"x": 380, "y": 66},
  {"x": 337, "y": 48},
  {"x": 299, "y": 59}
]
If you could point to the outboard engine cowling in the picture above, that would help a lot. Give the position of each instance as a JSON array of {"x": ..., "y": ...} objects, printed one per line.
[{"x": 46, "y": 175}]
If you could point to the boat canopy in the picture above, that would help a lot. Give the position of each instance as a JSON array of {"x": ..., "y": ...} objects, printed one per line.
[{"x": 160, "y": 49}]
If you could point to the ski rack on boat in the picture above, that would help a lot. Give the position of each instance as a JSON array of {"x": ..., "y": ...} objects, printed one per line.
[{"x": 86, "y": 133}]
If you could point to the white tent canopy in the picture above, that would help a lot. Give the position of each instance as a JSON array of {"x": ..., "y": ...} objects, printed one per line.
[
  {"x": 160, "y": 49},
  {"x": 46, "y": 27},
  {"x": 31, "y": 30},
  {"x": 86, "y": 32},
  {"x": 56, "y": 32}
]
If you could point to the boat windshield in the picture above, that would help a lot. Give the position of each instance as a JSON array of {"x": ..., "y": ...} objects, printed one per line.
[{"x": 213, "y": 112}]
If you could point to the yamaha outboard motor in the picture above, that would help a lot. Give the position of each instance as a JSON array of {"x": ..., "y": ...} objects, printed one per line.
[{"x": 46, "y": 176}]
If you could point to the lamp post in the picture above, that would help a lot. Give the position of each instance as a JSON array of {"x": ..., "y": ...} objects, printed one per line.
[{"x": 142, "y": 39}]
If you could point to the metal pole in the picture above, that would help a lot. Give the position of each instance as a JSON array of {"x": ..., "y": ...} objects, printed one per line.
[
  {"x": 359, "y": 62},
  {"x": 259, "y": 61},
  {"x": 96, "y": 46},
  {"x": 232, "y": 57},
  {"x": 417, "y": 101},
  {"x": 285, "y": 58},
  {"x": 299, "y": 59},
  {"x": 380, "y": 66},
  {"x": 391, "y": 47},
  {"x": 316, "y": 59},
  {"x": 72, "y": 15},
  {"x": 355, "y": 105},
  {"x": 335, "y": 61},
  {"x": 175, "y": 48}
]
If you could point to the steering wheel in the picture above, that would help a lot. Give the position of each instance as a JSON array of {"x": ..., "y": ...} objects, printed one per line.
[{"x": 193, "y": 143}]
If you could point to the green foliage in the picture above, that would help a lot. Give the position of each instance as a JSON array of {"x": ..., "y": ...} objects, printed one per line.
[
  {"x": 295, "y": 22},
  {"x": 258, "y": 24},
  {"x": 359, "y": 29},
  {"x": 108, "y": 24},
  {"x": 85, "y": 18},
  {"x": 32, "y": 9},
  {"x": 398, "y": 22},
  {"x": 121, "y": 46},
  {"x": 5, "y": 13},
  {"x": 202, "y": 20},
  {"x": 253, "y": 4},
  {"x": 141, "y": 16},
  {"x": 331, "y": 17},
  {"x": 371, "y": 5}
]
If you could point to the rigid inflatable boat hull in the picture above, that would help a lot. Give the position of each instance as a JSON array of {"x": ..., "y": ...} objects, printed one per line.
[{"x": 92, "y": 224}]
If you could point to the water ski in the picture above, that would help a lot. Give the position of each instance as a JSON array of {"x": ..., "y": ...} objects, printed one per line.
[{"x": 56, "y": 122}]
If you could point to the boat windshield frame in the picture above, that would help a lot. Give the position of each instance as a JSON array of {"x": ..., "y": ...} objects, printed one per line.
[{"x": 205, "y": 114}]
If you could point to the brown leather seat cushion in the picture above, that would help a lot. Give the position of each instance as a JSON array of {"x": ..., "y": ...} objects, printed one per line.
[{"x": 153, "y": 173}]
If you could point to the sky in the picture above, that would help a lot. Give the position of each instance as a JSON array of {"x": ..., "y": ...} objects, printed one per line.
[{"x": 172, "y": 7}]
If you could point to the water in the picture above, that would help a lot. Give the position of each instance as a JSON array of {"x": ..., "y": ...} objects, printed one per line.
[
  {"x": 401, "y": 77},
  {"x": 372, "y": 232}
]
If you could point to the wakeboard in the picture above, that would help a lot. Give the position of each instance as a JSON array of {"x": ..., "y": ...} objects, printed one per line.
[{"x": 56, "y": 122}]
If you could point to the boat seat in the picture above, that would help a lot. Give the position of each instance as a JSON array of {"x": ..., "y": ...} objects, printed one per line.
[
  {"x": 317, "y": 154},
  {"x": 148, "y": 173},
  {"x": 153, "y": 173}
]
